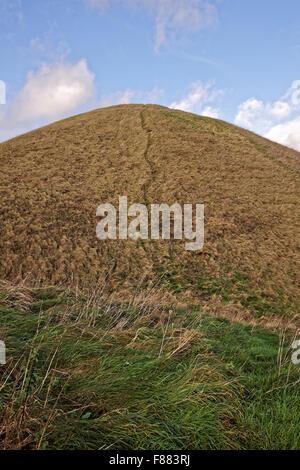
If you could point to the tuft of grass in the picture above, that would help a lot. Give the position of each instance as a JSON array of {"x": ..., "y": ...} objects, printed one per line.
[
  {"x": 262, "y": 360},
  {"x": 93, "y": 372}
]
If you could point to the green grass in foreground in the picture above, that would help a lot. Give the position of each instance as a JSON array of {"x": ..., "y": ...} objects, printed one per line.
[{"x": 91, "y": 374}]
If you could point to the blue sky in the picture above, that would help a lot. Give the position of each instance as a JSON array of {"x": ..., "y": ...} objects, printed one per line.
[{"x": 238, "y": 60}]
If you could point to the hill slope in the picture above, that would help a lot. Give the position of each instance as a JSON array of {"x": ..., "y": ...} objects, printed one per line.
[{"x": 53, "y": 179}]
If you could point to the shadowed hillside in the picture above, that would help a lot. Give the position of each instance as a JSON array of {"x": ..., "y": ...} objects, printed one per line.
[{"x": 53, "y": 179}]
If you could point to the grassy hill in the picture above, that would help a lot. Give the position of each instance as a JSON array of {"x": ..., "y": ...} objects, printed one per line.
[
  {"x": 53, "y": 179},
  {"x": 142, "y": 344}
]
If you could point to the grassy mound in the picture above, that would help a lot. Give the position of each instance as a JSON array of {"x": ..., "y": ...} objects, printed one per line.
[
  {"x": 89, "y": 372},
  {"x": 53, "y": 179}
]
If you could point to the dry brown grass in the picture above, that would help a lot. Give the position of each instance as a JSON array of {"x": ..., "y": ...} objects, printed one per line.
[{"x": 53, "y": 179}]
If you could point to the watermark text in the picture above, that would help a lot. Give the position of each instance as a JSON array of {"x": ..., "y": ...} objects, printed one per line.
[
  {"x": 2, "y": 353},
  {"x": 2, "y": 92},
  {"x": 165, "y": 222}
]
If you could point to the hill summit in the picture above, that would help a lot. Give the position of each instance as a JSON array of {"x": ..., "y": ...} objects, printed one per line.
[{"x": 53, "y": 179}]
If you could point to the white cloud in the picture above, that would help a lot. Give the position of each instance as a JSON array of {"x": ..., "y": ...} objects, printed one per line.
[
  {"x": 252, "y": 114},
  {"x": 287, "y": 134},
  {"x": 198, "y": 98},
  {"x": 269, "y": 118},
  {"x": 279, "y": 109},
  {"x": 293, "y": 94},
  {"x": 171, "y": 16},
  {"x": 52, "y": 92},
  {"x": 209, "y": 111},
  {"x": 55, "y": 90},
  {"x": 131, "y": 96}
]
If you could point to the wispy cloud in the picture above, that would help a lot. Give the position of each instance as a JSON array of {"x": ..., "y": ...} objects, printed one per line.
[
  {"x": 131, "y": 96},
  {"x": 52, "y": 92},
  {"x": 195, "y": 58},
  {"x": 171, "y": 17},
  {"x": 11, "y": 11},
  {"x": 199, "y": 99}
]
